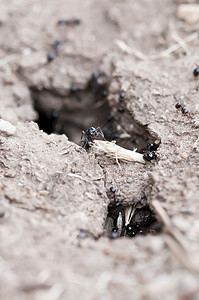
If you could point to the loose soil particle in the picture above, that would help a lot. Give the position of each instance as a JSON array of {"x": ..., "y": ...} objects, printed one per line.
[{"x": 52, "y": 190}]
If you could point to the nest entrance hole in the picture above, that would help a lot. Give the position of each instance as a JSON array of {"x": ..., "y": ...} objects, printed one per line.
[
  {"x": 78, "y": 109},
  {"x": 129, "y": 221}
]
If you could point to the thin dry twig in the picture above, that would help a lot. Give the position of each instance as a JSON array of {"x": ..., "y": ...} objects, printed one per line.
[
  {"x": 8, "y": 58},
  {"x": 168, "y": 226},
  {"x": 129, "y": 212},
  {"x": 195, "y": 144},
  {"x": 181, "y": 43},
  {"x": 114, "y": 151},
  {"x": 128, "y": 50},
  {"x": 174, "y": 239}
]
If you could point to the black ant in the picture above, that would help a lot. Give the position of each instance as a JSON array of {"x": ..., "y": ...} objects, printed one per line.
[
  {"x": 196, "y": 72},
  {"x": 98, "y": 86},
  {"x": 131, "y": 230},
  {"x": 120, "y": 109},
  {"x": 184, "y": 110},
  {"x": 150, "y": 155},
  {"x": 152, "y": 147},
  {"x": 116, "y": 201},
  {"x": 178, "y": 105},
  {"x": 121, "y": 96},
  {"x": 75, "y": 92},
  {"x": 75, "y": 21},
  {"x": 141, "y": 219},
  {"x": 95, "y": 84},
  {"x": 105, "y": 93},
  {"x": 52, "y": 54},
  {"x": 90, "y": 135},
  {"x": 114, "y": 233}
]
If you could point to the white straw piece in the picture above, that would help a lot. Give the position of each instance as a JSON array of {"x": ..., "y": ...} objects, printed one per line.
[{"x": 114, "y": 151}]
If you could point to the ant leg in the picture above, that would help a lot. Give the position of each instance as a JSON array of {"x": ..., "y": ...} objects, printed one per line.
[
  {"x": 100, "y": 132},
  {"x": 83, "y": 135},
  {"x": 85, "y": 140}
]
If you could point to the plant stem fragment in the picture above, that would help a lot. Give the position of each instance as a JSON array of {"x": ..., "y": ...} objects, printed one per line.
[{"x": 114, "y": 151}]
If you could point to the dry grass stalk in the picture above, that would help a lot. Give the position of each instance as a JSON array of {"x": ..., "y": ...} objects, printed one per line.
[
  {"x": 129, "y": 50},
  {"x": 174, "y": 239},
  {"x": 114, "y": 151},
  {"x": 181, "y": 43},
  {"x": 129, "y": 212}
]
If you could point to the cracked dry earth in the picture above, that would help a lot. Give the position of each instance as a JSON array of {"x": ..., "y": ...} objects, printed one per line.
[{"x": 52, "y": 192}]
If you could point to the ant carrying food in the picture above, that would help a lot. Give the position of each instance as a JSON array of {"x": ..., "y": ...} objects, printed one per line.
[
  {"x": 90, "y": 135},
  {"x": 150, "y": 155},
  {"x": 151, "y": 147}
]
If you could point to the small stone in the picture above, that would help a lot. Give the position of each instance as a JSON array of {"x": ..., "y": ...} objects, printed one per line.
[
  {"x": 125, "y": 86},
  {"x": 82, "y": 235},
  {"x": 43, "y": 193},
  {"x": 196, "y": 124},
  {"x": 184, "y": 155},
  {"x": 188, "y": 13},
  {"x": 6, "y": 128}
]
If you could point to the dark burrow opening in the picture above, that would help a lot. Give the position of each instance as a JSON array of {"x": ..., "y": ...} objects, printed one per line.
[
  {"x": 130, "y": 220},
  {"x": 79, "y": 109}
]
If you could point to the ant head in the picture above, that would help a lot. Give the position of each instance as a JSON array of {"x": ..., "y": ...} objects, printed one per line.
[
  {"x": 148, "y": 156},
  {"x": 92, "y": 131}
]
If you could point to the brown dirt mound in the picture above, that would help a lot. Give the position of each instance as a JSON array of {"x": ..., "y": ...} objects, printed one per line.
[{"x": 54, "y": 194}]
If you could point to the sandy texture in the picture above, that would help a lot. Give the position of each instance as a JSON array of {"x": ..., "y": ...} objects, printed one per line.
[{"x": 53, "y": 194}]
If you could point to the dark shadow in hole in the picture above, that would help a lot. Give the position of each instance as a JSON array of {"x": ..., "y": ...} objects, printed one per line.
[
  {"x": 142, "y": 221},
  {"x": 130, "y": 220},
  {"x": 80, "y": 109},
  {"x": 74, "y": 112}
]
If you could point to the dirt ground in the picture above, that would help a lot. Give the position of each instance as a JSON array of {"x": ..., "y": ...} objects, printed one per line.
[{"x": 54, "y": 195}]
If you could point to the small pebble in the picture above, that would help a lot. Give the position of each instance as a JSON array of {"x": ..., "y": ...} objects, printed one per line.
[
  {"x": 6, "y": 128},
  {"x": 184, "y": 155},
  {"x": 182, "y": 98},
  {"x": 196, "y": 124},
  {"x": 82, "y": 235},
  {"x": 189, "y": 13}
]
